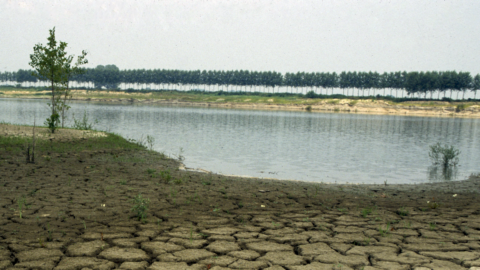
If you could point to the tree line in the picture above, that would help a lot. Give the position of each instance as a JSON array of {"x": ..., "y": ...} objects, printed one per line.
[{"x": 414, "y": 83}]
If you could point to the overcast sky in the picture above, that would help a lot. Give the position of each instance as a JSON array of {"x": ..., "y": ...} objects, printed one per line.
[{"x": 278, "y": 35}]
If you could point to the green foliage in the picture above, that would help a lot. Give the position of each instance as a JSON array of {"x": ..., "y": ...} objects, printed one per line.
[
  {"x": 16, "y": 145},
  {"x": 52, "y": 122},
  {"x": 52, "y": 64},
  {"x": 308, "y": 108},
  {"x": 461, "y": 107},
  {"x": 366, "y": 211},
  {"x": 140, "y": 207},
  {"x": 165, "y": 175},
  {"x": 403, "y": 212},
  {"x": 333, "y": 101},
  {"x": 310, "y": 94},
  {"x": 84, "y": 123},
  {"x": 444, "y": 155}
]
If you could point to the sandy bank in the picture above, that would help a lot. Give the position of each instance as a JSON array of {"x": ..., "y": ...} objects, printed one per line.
[{"x": 376, "y": 107}]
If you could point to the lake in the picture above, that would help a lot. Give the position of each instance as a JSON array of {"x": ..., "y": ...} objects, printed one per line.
[{"x": 321, "y": 147}]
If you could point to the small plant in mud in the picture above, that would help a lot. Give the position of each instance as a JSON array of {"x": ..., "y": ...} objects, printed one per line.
[
  {"x": 40, "y": 241},
  {"x": 432, "y": 226},
  {"x": 49, "y": 233},
  {"x": 367, "y": 241},
  {"x": 177, "y": 181},
  {"x": 386, "y": 231},
  {"x": 21, "y": 202},
  {"x": 165, "y": 175},
  {"x": 140, "y": 207},
  {"x": 403, "y": 212},
  {"x": 432, "y": 205},
  {"x": 365, "y": 212},
  {"x": 191, "y": 234}
]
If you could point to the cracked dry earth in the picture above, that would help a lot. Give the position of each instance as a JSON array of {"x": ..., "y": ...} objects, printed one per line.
[{"x": 76, "y": 214}]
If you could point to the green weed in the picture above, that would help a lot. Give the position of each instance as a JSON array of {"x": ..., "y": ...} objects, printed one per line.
[
  {"x": 140, "y": 207},
  {"x": 365, "y": 212},
  {"x": 403, "y": 212}
]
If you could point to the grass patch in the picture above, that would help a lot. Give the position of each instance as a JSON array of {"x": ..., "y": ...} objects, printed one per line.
[
  {"x": 333, "y": 101},
  {"x": 16, "y": 145}
]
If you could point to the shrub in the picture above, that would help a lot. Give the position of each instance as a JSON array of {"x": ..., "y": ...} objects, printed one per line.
[
  {"x": 308, "y": 108},
  {"x": 310, "y": 94},
  {"x": 83, "y": 124},
  {"x": 461, "y": 107},
  {"x": 444, "y": 155},
  {"x": 52, "y": 122}
]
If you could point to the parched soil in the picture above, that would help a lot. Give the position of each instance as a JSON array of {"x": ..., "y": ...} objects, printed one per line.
[{"x": 73, "y": 210}]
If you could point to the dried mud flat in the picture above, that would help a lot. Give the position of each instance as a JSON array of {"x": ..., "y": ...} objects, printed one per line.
[{"x": 72, "y": 210}]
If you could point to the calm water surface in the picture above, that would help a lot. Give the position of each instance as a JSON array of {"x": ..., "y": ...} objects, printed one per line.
[{"x": 285, "y": 145}]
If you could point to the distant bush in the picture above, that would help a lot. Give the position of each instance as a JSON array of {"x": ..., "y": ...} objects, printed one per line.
[
  {"x": 308, "y": 108},
  {"x": 461, "y": 107},
  {"x": 310, "y": 94},
  {"x": 446, "y": 99}
]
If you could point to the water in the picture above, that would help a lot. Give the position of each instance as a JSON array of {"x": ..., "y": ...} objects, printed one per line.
[{"x": 284, "y": 145}]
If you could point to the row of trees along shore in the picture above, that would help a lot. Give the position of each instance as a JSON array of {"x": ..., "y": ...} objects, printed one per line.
[{"x": 414, "y": 83}]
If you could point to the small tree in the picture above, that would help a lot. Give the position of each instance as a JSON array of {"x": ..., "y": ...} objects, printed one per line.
[
  {"x": 52, "y": 64},
  {"x": 69, "y": 71},
  {"x": 444, "y": 155}
]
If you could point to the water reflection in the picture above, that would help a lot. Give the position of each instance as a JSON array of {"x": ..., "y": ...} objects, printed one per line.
[
  {"x": 439, "y": 173},
  {"x": 286, "y": 145}
]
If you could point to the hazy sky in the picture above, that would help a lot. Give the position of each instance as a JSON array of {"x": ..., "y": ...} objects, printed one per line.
[{"x": 280, "y": 35}]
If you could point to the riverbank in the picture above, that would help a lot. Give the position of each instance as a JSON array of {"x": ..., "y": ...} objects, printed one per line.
[
  {"x": 255, "y": 102},
  {"x": 72, "y": 209}
]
